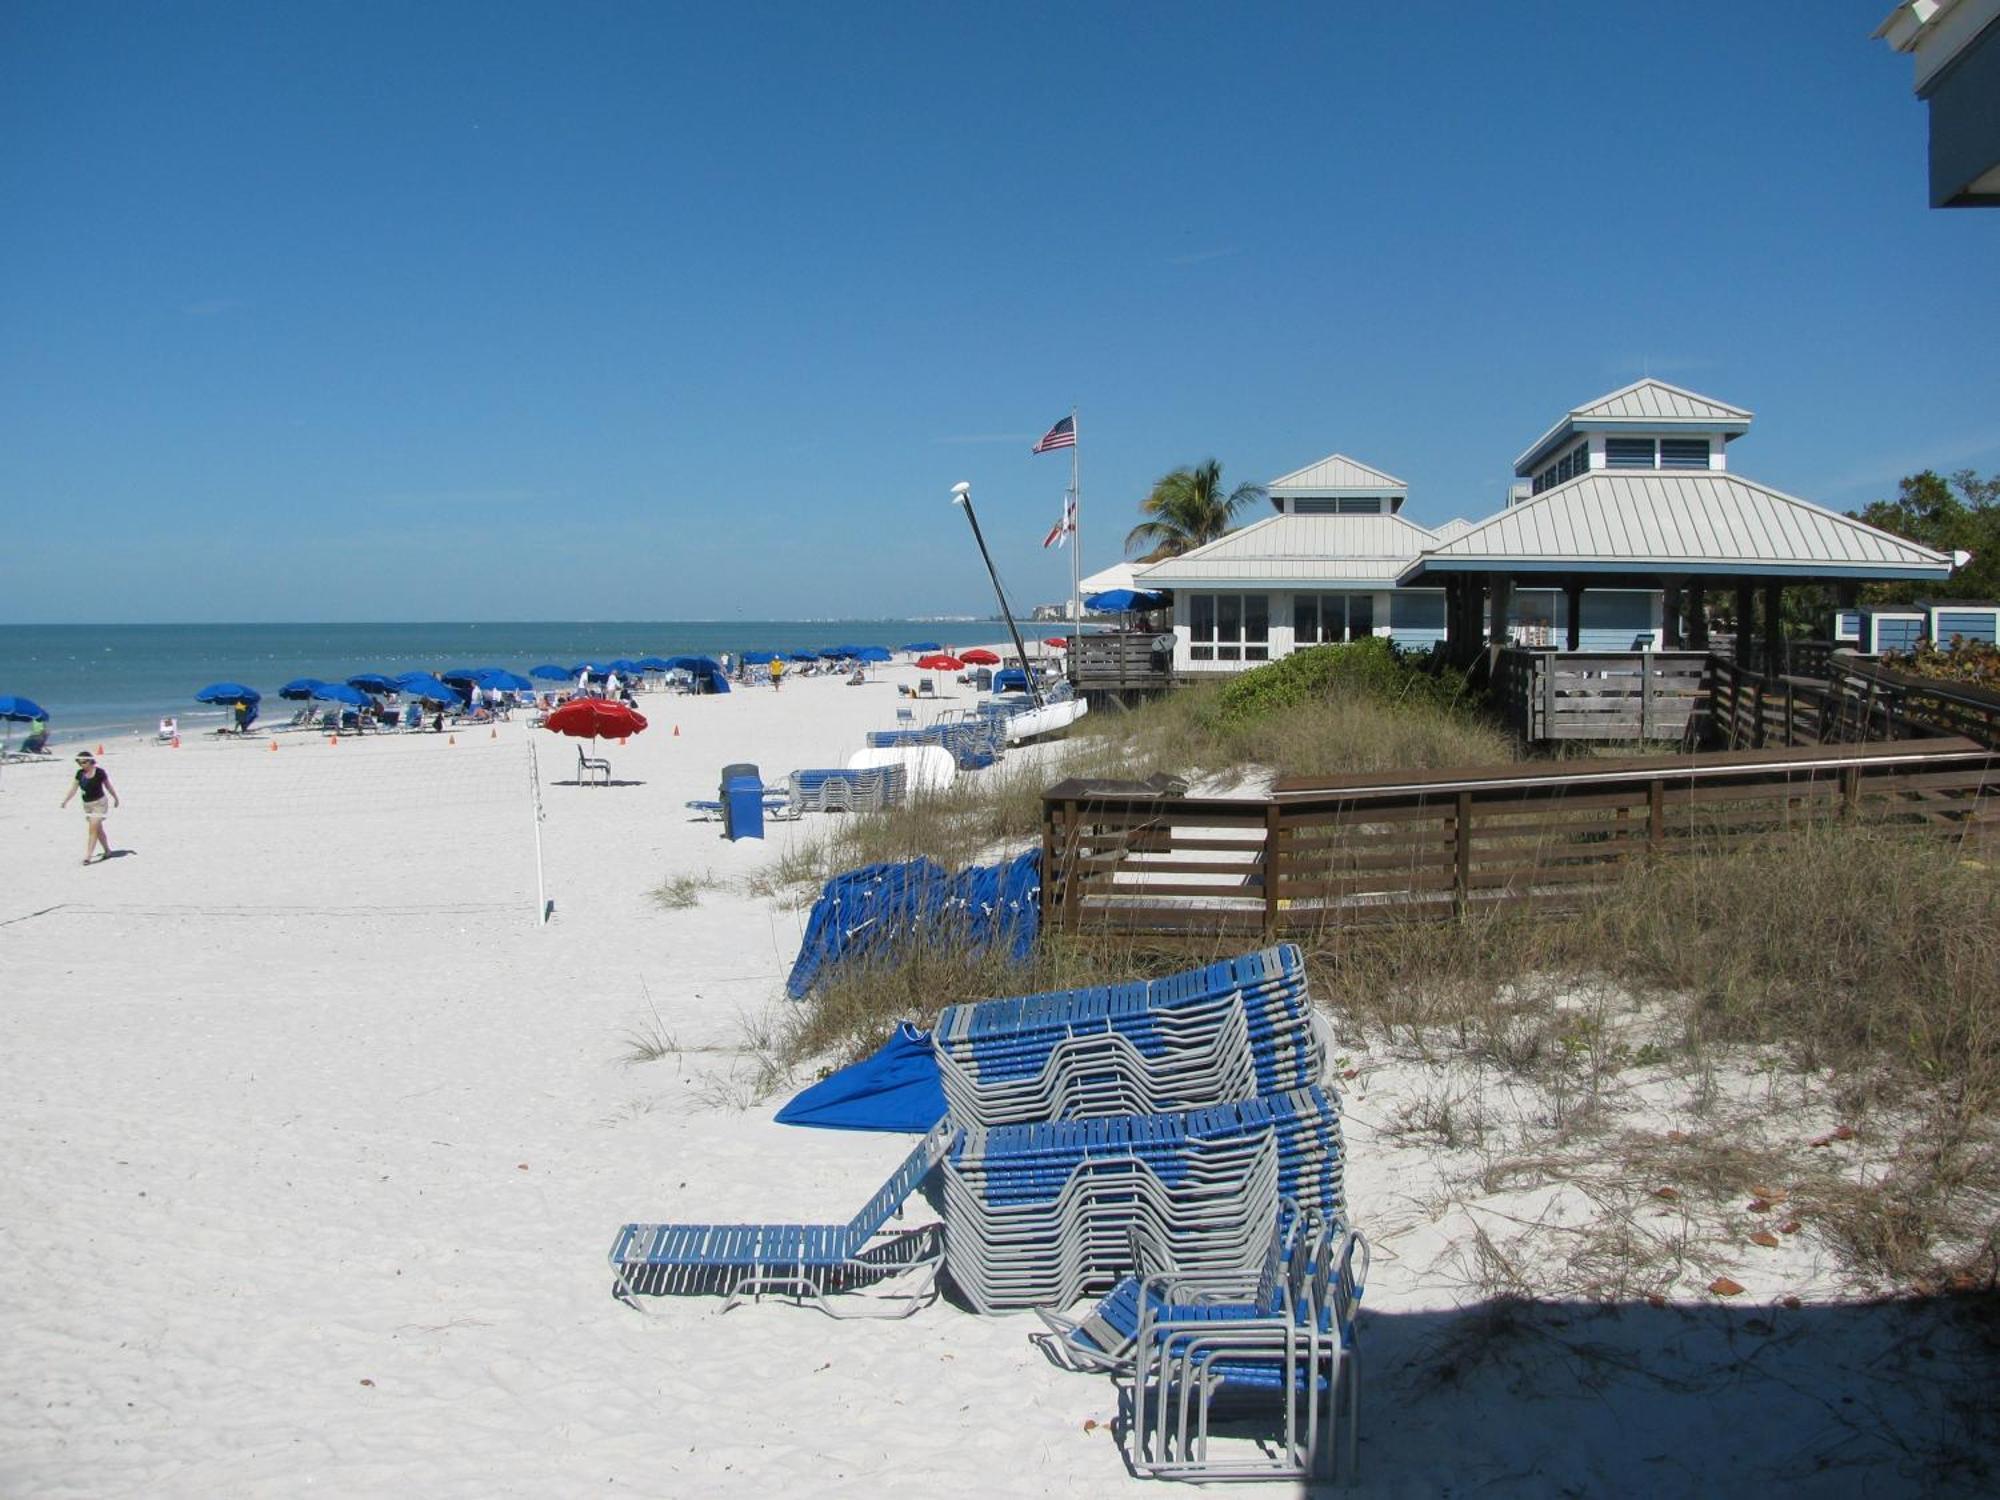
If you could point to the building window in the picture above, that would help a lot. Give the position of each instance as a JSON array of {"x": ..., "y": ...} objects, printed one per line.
[
  {"x": 1683, "y": 453},
  {"x": 1629, "y": 453},
  {"x": 1564, "y": 469},
  {"x": 1314, "y": 505},
  {"x": 1318, "y": 618},
  {"x": 1201, "y": 627},
  {"x": 1229, "y": 627},
  {"x": 1359, "y": 505}
]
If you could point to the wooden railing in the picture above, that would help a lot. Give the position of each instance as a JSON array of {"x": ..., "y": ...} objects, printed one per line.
[
  {"x": 1599, "y": 695},
  {"x": 1318, "y": 855},
  {"x": 1860, "y": 701},
  {"x": 1120, "y": 662}
]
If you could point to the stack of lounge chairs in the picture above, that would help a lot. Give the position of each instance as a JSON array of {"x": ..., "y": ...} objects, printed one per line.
[
  {"x": 974, "y": 742},
  {"x": 1173, "y": 1146},
  {"x": 862, "y": 789}
]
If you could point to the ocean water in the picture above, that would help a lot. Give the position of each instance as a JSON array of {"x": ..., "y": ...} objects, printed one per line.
[{"x": 114, "y": 679}]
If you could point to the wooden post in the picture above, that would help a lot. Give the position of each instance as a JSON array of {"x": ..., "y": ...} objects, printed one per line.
[
  {"x": 1573, "y": 592},
  {"x": 1046, "y": 897},
  {"x": 1073, "y": 868},
  {"x": 1272, "y": 831},
  {"x": 1698, "y": 618},
  {"x": 1545, "y": 663},
  {"x": 1645, "y": 697},
  {"x": 1774, "y": 627},
  {"x": 1791, "y": 719},
  {"x": 1746, "y": 622},
  {"x": 1462, "y": 849},
  {"x": 1656, "y": 813},
  {"x": 1503, "y": 603},
  {"x": 1671, "y": 605}
]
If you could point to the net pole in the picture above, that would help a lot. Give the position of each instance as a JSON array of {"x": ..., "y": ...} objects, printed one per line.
[{"x": 535, "y": 817}]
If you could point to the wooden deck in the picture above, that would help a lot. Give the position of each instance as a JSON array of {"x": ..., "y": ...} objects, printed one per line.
[{"x": 1316, "y": 856}]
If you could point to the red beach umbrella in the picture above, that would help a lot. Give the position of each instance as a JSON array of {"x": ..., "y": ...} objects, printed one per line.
[
  {"x": 1060, "y": 642},
  {"x": 939, "y": 661},
  {"x": 979, "y": 656},
  {"x": 595, "y": 718}
]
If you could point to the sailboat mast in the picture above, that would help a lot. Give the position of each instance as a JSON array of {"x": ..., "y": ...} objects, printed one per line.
[
  {"x": 1075, "y": 531},
  {"x": 962, "y": 493}
]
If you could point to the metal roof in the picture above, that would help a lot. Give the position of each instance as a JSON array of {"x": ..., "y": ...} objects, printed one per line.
[
  {"x": 1456, "y": 526},
  {"x": 1302, "y": 549},
  {"x": 1332, "y": 474},
  {"x": 1646, "y": 404},
  {"x": 1610, "y": 521}
]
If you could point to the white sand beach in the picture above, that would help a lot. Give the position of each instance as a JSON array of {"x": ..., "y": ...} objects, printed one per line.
[{"x": 315, "y": 1141}]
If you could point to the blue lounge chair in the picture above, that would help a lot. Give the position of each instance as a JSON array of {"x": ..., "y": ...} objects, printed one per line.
[{"x": 803, "y": 1261}]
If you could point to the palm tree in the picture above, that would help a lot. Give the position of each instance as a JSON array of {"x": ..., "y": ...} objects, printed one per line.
[{"x": 1188, "y": 508}]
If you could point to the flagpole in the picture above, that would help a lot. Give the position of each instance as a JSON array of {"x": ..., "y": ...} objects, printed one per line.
[{"x": 1075, "y": 532}]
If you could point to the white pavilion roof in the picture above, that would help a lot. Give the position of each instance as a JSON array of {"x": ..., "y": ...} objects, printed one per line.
[
  {"x": 1691, "y": 522},
  {"x": 1331, "y": 550}
]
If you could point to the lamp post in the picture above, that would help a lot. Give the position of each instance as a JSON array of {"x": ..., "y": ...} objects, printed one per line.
[{"x": 961, "y": 494}]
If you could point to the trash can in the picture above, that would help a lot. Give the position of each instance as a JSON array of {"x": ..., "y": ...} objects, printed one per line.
[
  {"x": 984, "y": 680},
  {"x": 742, "y": 808}
]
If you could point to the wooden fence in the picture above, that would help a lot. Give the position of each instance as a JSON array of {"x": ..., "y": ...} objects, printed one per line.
[
  {"x": 1120, "y": 663},
  {"x": 1599, "y": 695},
  {"x": 1319, "y": 855},
  {"x": 1859, "y": 701}
]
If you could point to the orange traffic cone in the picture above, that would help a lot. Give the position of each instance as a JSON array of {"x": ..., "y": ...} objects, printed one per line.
[
  {"x": 177, "y": 742},
  {"x": 451, "y": 739},
  {"x": 677, "y": 731},
  {"x": 493, "y": 733},
  {"x": 274, "y": 744},
  {"x": 333, "y": 739},
  {"x": 100, "y": 749},
  {"x": 621, "y": 739}
]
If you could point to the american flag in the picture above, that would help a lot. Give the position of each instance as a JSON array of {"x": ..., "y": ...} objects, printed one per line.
[
  {"x": 1062, "y": 435},
  {"x": 1066, "y": 527}
]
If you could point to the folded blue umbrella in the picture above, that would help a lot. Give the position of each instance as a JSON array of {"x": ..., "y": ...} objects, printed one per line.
[
  {"x": 896, "y": 1089},
  {"x": 24, "y": 709},
  {"x": 227, "y": 692}
]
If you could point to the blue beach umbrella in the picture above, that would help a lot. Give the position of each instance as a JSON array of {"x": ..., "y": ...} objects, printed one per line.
[
  {"x": 1118, "y": 601},
  {"x": 228, "y": 692},
  {"x": 874, "y": 653},
  {"x": 301, "y": 687},
  {"x": 624, "y": 665},
  {"x": 375, "y": 682},
  {"x": 24, "y": 709},
  {"x": 802, "y": 656},
  {"x": 340, "y": 692},
  {"x": 550, "y": 672},
  {"x": 429, "y": 689},
  {"x": 923, "y": 646},
  {"x": 651, "y": 664},
  {"x": 759, "y": 658},
  {"x": 506, "y": 681}
]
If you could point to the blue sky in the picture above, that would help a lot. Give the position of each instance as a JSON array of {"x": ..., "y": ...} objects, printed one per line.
[{"x": 497, "y": 311}]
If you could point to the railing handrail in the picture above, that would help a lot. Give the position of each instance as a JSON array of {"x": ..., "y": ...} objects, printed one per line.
[
  {"x": 1707, "y": 765},
  {"x": 1968, "y": 695}
]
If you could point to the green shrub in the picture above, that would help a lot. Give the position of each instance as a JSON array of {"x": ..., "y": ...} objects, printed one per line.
[{"x": 1372, "y": 670}]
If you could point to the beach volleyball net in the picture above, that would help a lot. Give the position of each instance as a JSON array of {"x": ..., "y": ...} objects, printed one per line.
[{"x": 423, "y": 825}]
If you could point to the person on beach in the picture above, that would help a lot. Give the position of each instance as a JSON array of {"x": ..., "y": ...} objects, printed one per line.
[
  {"x": 95, "y": 784},
  {"x": 777, "y": 675}
]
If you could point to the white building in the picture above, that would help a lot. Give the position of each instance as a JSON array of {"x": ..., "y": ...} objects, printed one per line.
[{"x": 1626, "y": 516}]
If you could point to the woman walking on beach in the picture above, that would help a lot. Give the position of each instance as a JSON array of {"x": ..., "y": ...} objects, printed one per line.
[{"x": 95, "y": 784}]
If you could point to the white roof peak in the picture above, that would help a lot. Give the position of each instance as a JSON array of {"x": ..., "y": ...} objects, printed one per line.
[
  {"x": 1335, "y": 472},
  {"x": 1648, "y": 397}
]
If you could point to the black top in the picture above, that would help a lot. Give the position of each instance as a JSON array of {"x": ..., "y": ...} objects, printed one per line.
[{"x": 93, "y": 782}]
